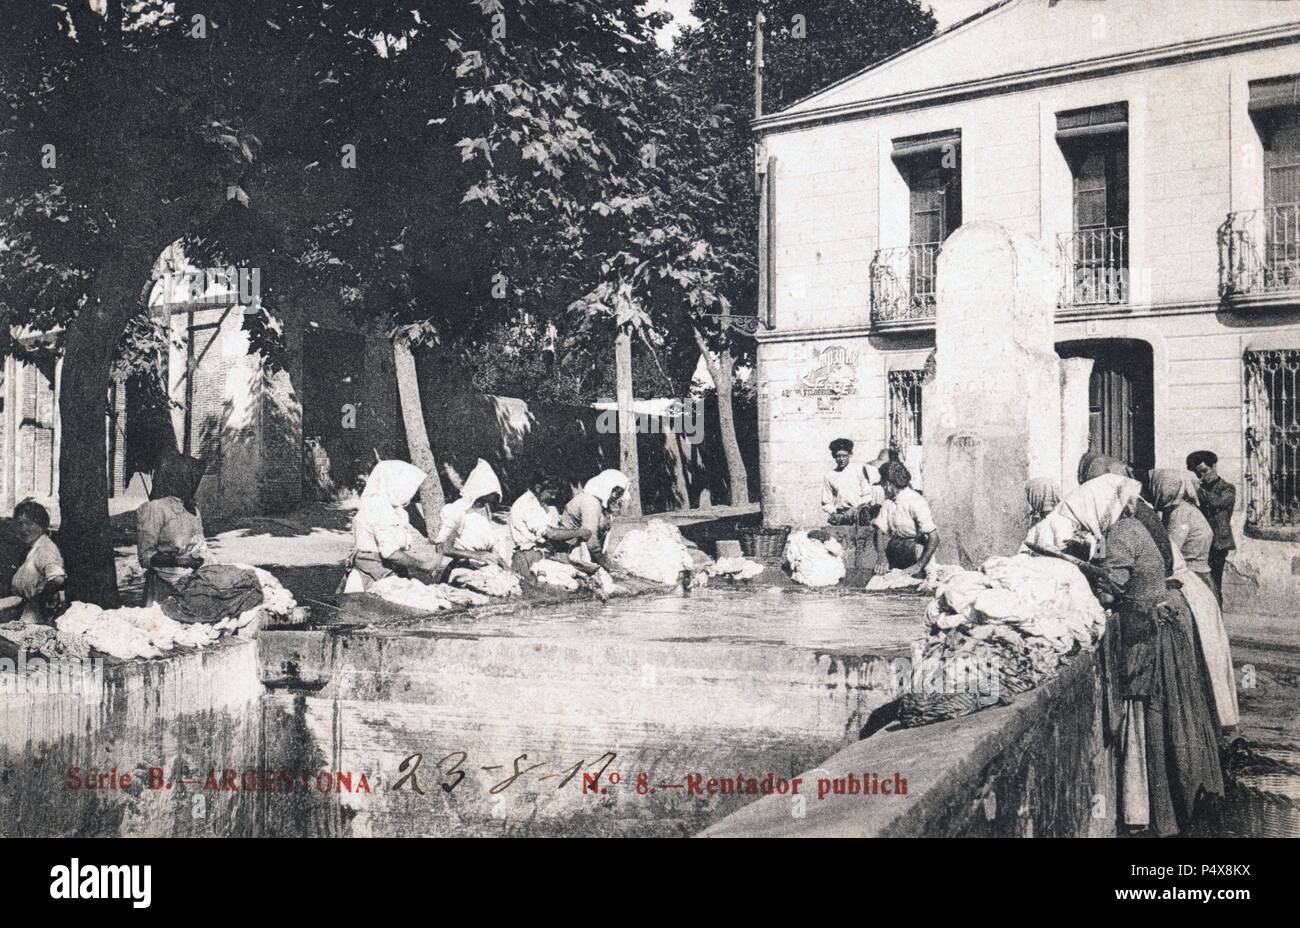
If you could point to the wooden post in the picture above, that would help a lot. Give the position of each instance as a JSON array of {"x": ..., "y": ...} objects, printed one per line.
[
  {"x": 766, "y": 230},
  {"x": 11, "y": 433},
  {"x": 627, "y": 421}
]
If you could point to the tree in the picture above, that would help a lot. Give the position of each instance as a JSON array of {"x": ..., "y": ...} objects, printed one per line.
[
  {"x": 274, "y": 135},
  {"x": 694, "y": 249},
  {"x": 108, "y": 154}
]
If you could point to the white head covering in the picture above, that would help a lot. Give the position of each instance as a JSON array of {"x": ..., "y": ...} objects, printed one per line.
[
  {"x": 1093, "y": 508},
  {"x": 1098, "y": 504},
  {"x": 604, "y": 483},
  {"x": 395, "y": 482},
  {"x": 482, "y": 481}
]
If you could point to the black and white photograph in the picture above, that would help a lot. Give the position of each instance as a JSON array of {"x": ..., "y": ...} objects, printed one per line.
[{"x": 651, "y": 419}]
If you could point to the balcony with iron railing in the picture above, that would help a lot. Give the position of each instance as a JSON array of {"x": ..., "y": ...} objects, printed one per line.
[
  {"x": 1095, "y": 266},
  {"x": 1259, "y": 255},
  {"x": 902, "y": 285}
]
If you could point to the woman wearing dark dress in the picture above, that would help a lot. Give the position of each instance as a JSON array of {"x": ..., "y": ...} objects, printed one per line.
[{"x": 1164, "y": 727}]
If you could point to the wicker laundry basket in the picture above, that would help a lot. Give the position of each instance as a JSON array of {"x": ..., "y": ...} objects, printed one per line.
[{"x": 766, "y": 541}]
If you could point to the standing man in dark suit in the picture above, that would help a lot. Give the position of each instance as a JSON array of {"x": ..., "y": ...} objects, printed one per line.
[{"x": 1218, "y": 498}]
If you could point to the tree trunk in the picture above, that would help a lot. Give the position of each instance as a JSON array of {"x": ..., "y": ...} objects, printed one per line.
[
  {"x": 417, "y": 436},
  {"x": 627, "y": 422},
  {"x": 85, "y": 536},
  {"x": 722, "y": 370}
]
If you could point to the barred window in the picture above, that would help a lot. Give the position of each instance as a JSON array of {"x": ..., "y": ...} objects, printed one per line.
[
  {"x": 905, "y": 408},
  {"x": 1272, "y": 438}
]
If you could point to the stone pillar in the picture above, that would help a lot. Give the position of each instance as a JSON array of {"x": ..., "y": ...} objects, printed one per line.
[
  {"x": 1076, "y": 427},
  {"x": 993, "y": 413}
]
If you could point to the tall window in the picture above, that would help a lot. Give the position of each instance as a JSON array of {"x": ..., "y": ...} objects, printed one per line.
[
  {"x": 1281, "y": 138},
  {"x": 905, "y": 408},
  {"x": 1272, "y": 438},
  {"x": 1095, "y": 144},
  {"x": 931, "y": 165}
]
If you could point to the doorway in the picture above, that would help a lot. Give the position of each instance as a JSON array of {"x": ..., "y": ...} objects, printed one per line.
[
  {"x": 335, "y": 451},
  {"x": 1121, "y": 398}
]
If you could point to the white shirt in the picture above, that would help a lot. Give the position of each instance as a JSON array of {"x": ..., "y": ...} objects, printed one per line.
[
  {"x": 849, "y": 487},
  {"x": 907, "y": 515},
  {"x": 42, "y": 564},
  {"x": 529, "y": 520}
]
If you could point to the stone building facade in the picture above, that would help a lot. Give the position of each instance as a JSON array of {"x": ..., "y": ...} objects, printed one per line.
[
  {"x": 273, "y": 435},
  {"x": 1153, "y": 146}
]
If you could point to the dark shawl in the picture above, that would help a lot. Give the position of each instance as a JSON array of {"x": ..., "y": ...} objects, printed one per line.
[{"x": 177, "y": 475}]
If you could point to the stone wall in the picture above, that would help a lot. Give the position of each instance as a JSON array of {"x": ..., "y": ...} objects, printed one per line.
[
  {"x": 1037, "y": 768},
  {"x": 189, "y": 714}
]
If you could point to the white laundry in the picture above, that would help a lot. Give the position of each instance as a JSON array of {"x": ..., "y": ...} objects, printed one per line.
[
  {"x": 657, "y": 552},
  {"x": 423, "y": 596},
  {"x": 895, "y": 580},
  {"x": 813, "y": 562},
  {"x": 1023, "y": 615},
  {"x": 737, "y": 568},
  {"x": 116, "y": 634},
  {"x": 165, "y": 633},
  {"x": 489, "y": 579},
  {"x": 554, "y": 573}
]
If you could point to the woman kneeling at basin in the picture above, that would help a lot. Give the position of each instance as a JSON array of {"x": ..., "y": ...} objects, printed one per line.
[
  {"x": 170, "y": 542},
  {"x": 39, "y": 579},
  {"x": 467, "y": 532},
  {"x": 383, "y": 540},
  {"x": 906, "y": 536},
  {"x": 591, "y": 509}
]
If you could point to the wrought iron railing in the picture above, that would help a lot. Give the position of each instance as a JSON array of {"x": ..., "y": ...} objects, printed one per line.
[
  {"x": 1095, "y": 264},
  {"x": 1272, "y": 438},
  {"x": 1259, "y": 251},
  {"x": 902, "y": 283}
]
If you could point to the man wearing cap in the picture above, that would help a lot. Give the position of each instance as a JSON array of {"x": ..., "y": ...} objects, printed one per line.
[
  {"x": 1218, "y": 498},
  {"x": 848, "y": 495}
]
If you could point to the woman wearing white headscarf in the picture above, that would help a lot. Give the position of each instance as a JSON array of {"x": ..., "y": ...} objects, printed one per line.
[
  {"x": 1157, "y": 712},
  {"x": 590, "y": 510},
  {"x": 1173, "y": 493},
  {"x": 467, "y": 531},
  {"x": 1086, "y": 513},
  {"x": 383, "y": 540}
]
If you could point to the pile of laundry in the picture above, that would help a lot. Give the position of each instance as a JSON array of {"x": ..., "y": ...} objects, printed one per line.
[
  {"x": 278, "y": 607},
  {"x": 813, "y": 562},
  {"x": 657, "y": 552},
  {"x": 27, "y": 637},
  {"x": 901, "y": 579},
  {"x": 735, "y": 568},
  {"x": 490, "y": 580},
  {"x": 130, "y": 632},
  {"x": 424, "y": 596},
  {"x": 555, "y": 573},
  {"x": 1017, "y": 618},
  {"x": 571, "y": 579}
]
